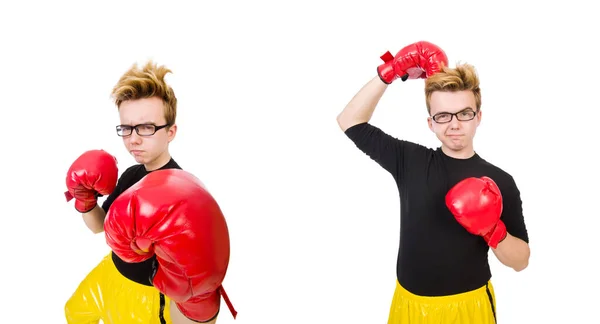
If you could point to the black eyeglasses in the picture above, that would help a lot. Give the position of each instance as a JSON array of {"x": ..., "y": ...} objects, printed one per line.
[
  {"x": 446, "y": 117},
  {"x": 141, "y": 129}
]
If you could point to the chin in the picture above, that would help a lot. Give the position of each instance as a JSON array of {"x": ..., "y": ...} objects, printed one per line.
[
  {"x": 454, "y": 146},
  {"x": 139, "y": 159}
]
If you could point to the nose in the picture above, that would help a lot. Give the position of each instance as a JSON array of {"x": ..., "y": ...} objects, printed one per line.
[
  {"x": 134, "y": 138},
  {"x": 454, "y": 123}
]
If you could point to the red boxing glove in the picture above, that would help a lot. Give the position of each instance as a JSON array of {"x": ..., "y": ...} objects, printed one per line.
[
  {"x": 416, "y": 61},
  {"x": 476, "y": 203},
  {"x": 94, "y": 173},
  {"x": 169, "y": 213}
]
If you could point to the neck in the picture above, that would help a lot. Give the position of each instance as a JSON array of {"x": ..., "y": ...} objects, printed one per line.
[
  {"x": 465, "y": 153},
  {"x": 160, "y": 161}
]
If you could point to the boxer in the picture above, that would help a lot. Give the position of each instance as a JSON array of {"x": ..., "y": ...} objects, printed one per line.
[
  {"x": 121, "y": 290},
  {"x": 454, "y": 205}
]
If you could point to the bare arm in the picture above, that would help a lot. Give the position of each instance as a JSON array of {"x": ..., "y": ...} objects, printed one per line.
[
  {"x": 178, "y": 318},
  {"x": 94, "y": 219},
  {"x": 513, "y": 252},
  {"x": 361, "y": 107}
]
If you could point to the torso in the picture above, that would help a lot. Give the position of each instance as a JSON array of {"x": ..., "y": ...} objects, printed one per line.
[{"x": 436, "y": 255}]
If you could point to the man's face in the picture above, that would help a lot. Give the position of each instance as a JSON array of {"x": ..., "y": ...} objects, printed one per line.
[
  {"x": 144, "y": 147},
  {"x": 456, "y": 132}
]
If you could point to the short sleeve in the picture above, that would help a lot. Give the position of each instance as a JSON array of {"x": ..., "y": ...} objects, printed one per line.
[
  {"x": 120, "y": 187},
  {"x": 512, "y": 212},
  {"x": 388, "y": 151},
  {"x": 111, "y": 198}
]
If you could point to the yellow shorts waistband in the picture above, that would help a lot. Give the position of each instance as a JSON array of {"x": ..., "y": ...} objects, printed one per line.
[{"x": 468, "y": 295}]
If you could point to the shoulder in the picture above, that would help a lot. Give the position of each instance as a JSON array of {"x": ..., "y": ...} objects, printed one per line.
[
  {"x": 130, "y": 171},
  {"x": 131, "y": 175},
  {"x": 503, "y": 179},
  {"x": 172, "y": 164}
]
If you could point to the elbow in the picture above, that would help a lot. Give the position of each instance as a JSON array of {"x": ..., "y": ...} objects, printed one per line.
[
  {"x": 518, "y": 261},
  {"x": 524, "y": 263},
  {"x": 341, "y": 122},
  {"x": 345, "y": 122},
  {"x": 521, "y": 266},
  {"x": 97, "y": 230}
]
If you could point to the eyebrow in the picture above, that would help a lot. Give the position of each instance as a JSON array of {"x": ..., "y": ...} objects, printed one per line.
[
  {"x": 142, "y": 123},
  {"x": 447, "y": 112}
]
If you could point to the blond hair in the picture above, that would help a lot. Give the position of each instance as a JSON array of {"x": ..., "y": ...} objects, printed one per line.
[
  {"x": 462, "y": 77},
  {"x": 147, "y": 82}
]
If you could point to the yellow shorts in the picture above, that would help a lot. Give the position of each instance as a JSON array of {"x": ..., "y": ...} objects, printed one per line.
[
  {"x": 106, "y": 295},
  {"x": 476, "y": 306}
]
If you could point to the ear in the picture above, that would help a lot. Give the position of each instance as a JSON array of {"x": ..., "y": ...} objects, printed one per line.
[
  {"x": 430, "y": 123},
  {"x": 478, "y": 117},
  {"x": 172, "y": 132}
]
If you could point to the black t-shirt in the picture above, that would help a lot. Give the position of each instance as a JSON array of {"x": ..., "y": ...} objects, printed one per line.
[
  {"x": 436, "y": 255},
  {"x": 138, "y": 272}
]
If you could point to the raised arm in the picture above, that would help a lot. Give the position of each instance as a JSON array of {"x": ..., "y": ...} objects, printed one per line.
[
  {"x": 360, "y": 109},
  {"x": 416, "y": 61}
]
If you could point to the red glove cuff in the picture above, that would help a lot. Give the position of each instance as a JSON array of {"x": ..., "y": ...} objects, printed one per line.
[
  {"x": 497, "y": 235},
  {"x": 386, "y": 71},
  {"x": 201, "y": 309},
  {"x": 85, "y": 206},
  {"x": 205, "y": 308}
]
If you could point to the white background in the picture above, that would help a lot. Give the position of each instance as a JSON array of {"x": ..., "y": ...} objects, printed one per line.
[{"x": 313, "y": 221}]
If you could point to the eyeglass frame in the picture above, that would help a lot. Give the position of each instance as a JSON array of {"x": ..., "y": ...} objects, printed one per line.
[
  {"x": 135, "y": 127},
  {"x": 452, "y": 115}
]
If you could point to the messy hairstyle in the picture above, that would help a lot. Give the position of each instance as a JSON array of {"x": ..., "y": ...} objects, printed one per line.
[
  {"x": 147, "y": 82},
  {"x": 462, "y": 77}
]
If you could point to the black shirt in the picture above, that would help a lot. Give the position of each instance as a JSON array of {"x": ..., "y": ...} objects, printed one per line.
[
  {"x": 436, "y": 255},
  {"x": 138, "y": 272}
]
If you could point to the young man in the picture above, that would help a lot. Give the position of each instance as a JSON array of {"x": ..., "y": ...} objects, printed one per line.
[
  {"x": 443, "y": 275},
  {"x": 117, "y": 291}
]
